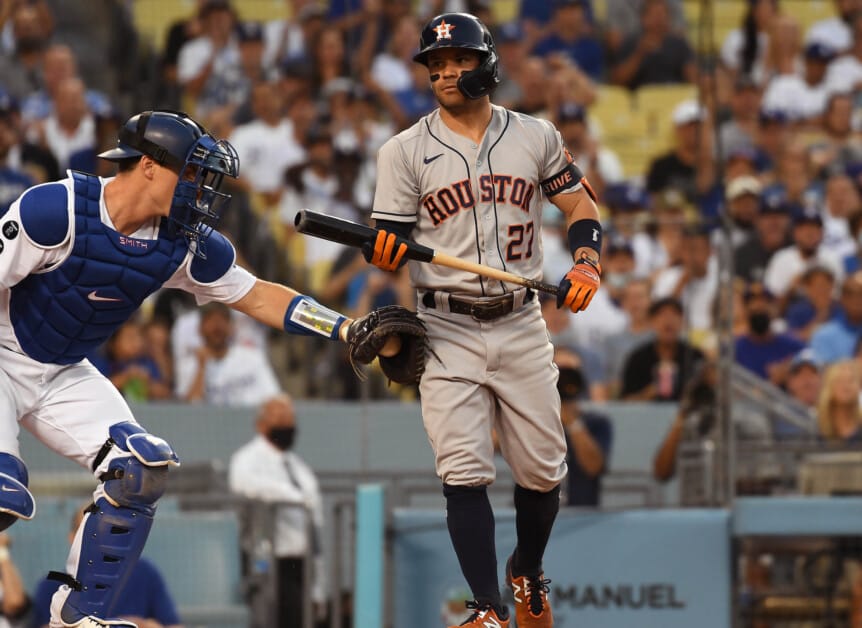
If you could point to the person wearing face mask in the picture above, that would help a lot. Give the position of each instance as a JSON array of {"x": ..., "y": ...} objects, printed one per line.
[
  {"x": 760, "y": 349},
  {"x": 267, "y": 469}
]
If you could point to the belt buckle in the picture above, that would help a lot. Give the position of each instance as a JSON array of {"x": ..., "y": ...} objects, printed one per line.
[{"x": 486, "y": 311}]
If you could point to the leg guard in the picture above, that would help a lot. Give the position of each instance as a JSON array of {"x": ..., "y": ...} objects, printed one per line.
[
  {"x": 133, "y": 467},
  {"x": 16, "y": 501}
]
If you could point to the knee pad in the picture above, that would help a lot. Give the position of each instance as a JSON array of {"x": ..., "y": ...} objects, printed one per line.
[
  {"x": 137, "y": 472},
  {"x": 16, "y": 501}
]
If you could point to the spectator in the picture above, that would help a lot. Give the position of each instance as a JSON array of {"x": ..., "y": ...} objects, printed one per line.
[
  {"x": 654, "y": 55},
  {"x": 589, "y": 435},
  {"x": 14, "y": 601},
  {"x": 69, "y": 131},
  {"x": 145, "y": 599},
  {"x": 635, "y": 302},
  {"x": 845, "y": 72},
  {"x": 694, "y": 281},
  {"x": 815, "y": 303},
  {"x": 13, "y": 181},
  {"x": 208, "y": 67},
  {"x": 841, "y": 201},
  {"x": 696, "y": 423},
  {"x": 599, "y": 164},
  {"x": 794, "y": 177},
  {"x": 60, "y": 64},
  {"x": 127, "y": 364},
  {"x": 572, "y": 35},
  {"x": 157, "y": 347},
  {"x": 22, "y": 156},
  {"x": 802, "y": 97},
  {"x": 751, "y": 258},
  {"x": 22, "y": 69},
  {"x": 623, "y": 20},
  {"x": 315, "y": 184},
  {"x": 659, "y": 369},
  {"x": 787, "y": 265},
  {"x": 222, "y": 372},
  {"x": 740, "y": 131},
  {"x": 836, "y": 339},
  {"x": 744, "y": 49},
  {"x": 512, "y": 52},
  {"x": 179, "y": 34},
  {"x": 687, "y": 167},
  {"x": 287, "y": 39},
  {"x": 267, "y": 469},
  {"x": 328, "y": 57},
  {"x": 266, "y": 145},
  {"x": 393, "y": 70},
  {"x": 803, "y": 385},
  {"x": 839, "y": 148},
  {"x": 773, "y": 133},
  {"x": 629, "y": 205},
  {"x": 835, "y": 31},
  {"x": 250, "y": 42},
  {"x": 532, "y": 80},
  {"x": 839, "y": 418},
  {"x": 743, "y": 205},
  {"x": 561, "y": 329},
  {"x": 761, "y": 349}
]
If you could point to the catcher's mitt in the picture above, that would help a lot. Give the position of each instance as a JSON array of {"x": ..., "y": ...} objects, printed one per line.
[{"x": 367, "y": 335}]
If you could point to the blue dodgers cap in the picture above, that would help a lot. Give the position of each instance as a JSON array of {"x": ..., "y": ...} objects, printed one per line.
[
  {"x": 626, "y": 196},
  {"x": 807, "y": 216},
  {"x": 819, "y": 51},
  {"x": 571, "y": 112},
  {"x": 618, "y": 244},
  {"x": 510, "y": 32},
  {"x": 249, "y": 31},
  {"x": 773, "y": 116},
  {"x": 806, "y": 357}
]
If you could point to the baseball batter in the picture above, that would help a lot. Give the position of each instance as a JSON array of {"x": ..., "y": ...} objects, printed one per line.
[
  {"x": 470, "y": 179},
  {"x": 77, "y": 258}
]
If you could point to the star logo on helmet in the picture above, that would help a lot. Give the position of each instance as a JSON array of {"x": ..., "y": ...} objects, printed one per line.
[{"x": 444, "y": 30}]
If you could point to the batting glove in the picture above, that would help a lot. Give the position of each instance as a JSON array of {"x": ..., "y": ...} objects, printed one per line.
[
  {"x": 579, "y": 285},
  {"x": 387, "y": 252}
]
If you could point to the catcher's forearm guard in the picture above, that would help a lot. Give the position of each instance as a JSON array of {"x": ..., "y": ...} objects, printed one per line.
[{"x": 307, "y": 317}]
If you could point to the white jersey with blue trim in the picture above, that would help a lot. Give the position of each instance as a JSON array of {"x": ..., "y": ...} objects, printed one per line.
[
  {"x": 20, "y": 257},
  {"x": 478, "y": 202}
]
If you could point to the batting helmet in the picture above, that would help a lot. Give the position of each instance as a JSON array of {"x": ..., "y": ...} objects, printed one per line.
[
  {"x": 174, "y": 140},
  {"x": 462, "y": 30}
]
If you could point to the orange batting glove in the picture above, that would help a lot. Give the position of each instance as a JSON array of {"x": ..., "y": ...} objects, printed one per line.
[
  {"x": 387, "y": 252},
  {"x": 579, "y": 285}
]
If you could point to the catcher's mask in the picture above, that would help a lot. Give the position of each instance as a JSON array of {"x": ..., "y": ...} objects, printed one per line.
[
  {"x": 176, "y": 141},
  {"x": 462, "y": 30}
]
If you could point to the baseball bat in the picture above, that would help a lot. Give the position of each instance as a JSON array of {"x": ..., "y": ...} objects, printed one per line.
[{"x": 355, "y": 234}]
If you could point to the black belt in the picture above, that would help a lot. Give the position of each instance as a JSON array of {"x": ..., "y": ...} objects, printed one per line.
[{"x": 485, "y": 309}]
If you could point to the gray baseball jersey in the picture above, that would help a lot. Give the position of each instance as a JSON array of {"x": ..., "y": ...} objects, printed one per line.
[{"x": 482, "y": 203}]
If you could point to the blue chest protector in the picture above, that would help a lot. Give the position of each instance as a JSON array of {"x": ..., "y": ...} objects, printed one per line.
[{"x": 62, "y": 315}]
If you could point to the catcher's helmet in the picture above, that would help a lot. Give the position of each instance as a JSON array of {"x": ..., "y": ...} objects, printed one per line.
[
  {"x": 462, "y": 30},
  {"x": 174, "y": 140}
]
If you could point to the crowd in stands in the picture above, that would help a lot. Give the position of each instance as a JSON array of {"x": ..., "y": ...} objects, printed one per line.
[{"x": 761, "y": 174}]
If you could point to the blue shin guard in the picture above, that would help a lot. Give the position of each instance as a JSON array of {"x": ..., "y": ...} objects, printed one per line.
[
  {"x": 16, "y": 502},
  {"x": 115, "y": 528}
]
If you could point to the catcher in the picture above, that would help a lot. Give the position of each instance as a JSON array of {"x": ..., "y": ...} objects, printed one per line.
[{"x": 80, "y": 255}]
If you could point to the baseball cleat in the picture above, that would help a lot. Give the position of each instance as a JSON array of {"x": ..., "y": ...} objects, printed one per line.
[
  {"x": 95, "y": 622},
  {"x": 485, "y": 616},
  {"x": 532, "y": 609}
]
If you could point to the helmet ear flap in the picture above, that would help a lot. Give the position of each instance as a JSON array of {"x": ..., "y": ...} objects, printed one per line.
[{"x": 480, "y": 82}]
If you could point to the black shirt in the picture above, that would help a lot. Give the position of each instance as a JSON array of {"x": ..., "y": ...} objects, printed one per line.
[{"x": 642, "y": 369}]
